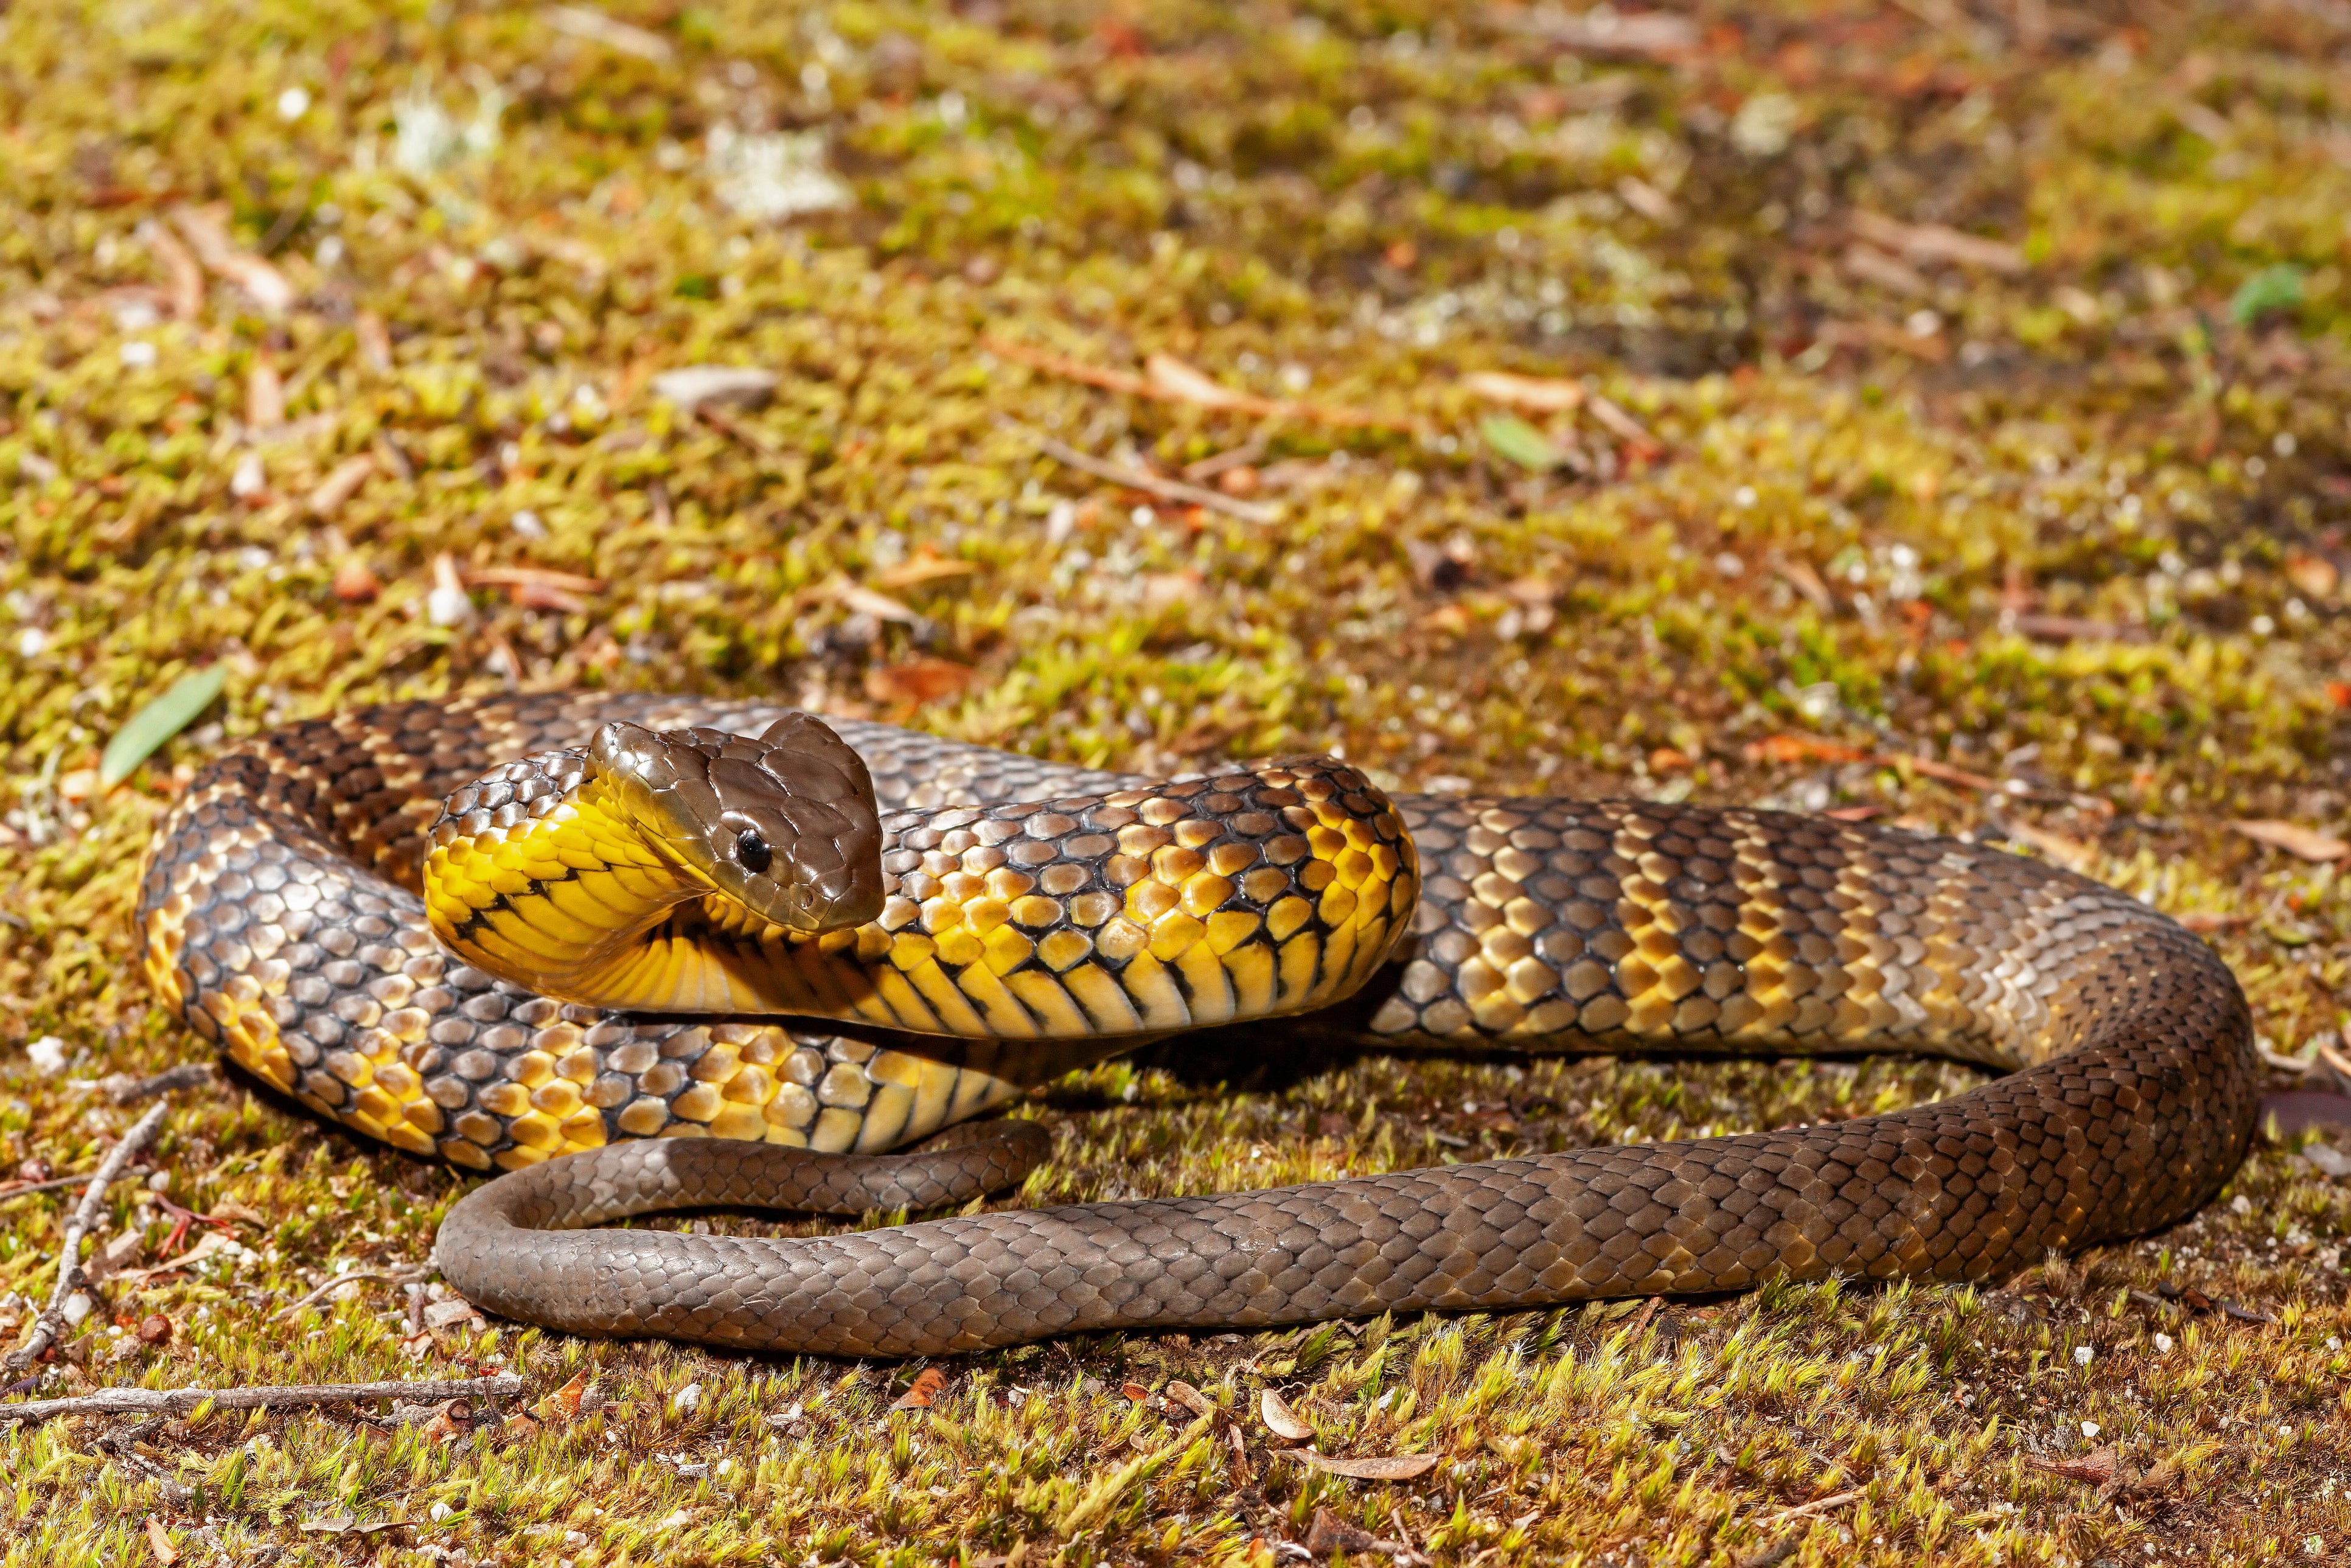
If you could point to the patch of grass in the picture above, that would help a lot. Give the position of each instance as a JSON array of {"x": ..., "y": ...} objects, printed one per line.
[{"x": 2072, "y": 516}]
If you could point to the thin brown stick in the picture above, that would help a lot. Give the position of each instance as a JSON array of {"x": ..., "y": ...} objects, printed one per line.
[
  {"x": 179, "y": 1401},
  {"x": 187, "y": 1075},
  {"x": 78, "y": 1225},
  {"x": 31, "y": 1188},
  {"x": 294, "y": 1310},
  {"x": 1149, "y": 484}
]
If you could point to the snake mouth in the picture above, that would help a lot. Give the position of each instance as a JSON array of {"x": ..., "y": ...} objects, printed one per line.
[{"x": 785, "y": 826}]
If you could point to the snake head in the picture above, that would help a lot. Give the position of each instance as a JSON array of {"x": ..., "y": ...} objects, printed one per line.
[{"x": 786, "y": 825}]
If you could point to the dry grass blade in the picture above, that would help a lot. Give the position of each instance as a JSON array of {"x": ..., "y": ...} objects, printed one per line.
[{"x": 1150, "y": 483}]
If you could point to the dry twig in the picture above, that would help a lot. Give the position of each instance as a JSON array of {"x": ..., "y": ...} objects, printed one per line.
[
  {"x": 83, "y": 1220},
  {"x": 180, "y": 1401},
  {"x": 1149, "y": 484}
]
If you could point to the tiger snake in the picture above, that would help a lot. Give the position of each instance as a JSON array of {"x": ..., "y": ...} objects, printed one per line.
[{"x": 645, "y": 952}]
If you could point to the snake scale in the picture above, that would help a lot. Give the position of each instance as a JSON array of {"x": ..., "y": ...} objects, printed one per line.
[{"x": 813, "y": 989}]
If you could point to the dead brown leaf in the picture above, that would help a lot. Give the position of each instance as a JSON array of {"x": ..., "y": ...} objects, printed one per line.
[
  {"x": 1929, "y": 244},
  {"x": 2098, "y": 1469},
  {"x": 1379, "y": 1467},
  {"x": 206, "y": 229},
  {"x": 917, "y": 681},
  {"x": 2070, "y": 853},
  {"x": 1548, "y": 395},
  {"x": 228, "y": 1211},
  {"x": 922, "y": 1390},
  {"x": 1787, "y": 748},
  {"x": 265, "y": 395},
  {"x": 186, "y": 284},
  {"x": 2313, "y": 575},
  {"x": 2308, "y": 843},
  {"x": 451, "y": 1419},
  {"x": 159, "y": 1541},
  {"x": 924, "y": 567},
  {"x": 1191, "y": 1398},
  {"x": 563, "y": 1405},
  {"x": 1280, "y": 1418}
]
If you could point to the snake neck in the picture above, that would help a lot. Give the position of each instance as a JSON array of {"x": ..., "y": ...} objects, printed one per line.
[{"x": 597, "y": 908}]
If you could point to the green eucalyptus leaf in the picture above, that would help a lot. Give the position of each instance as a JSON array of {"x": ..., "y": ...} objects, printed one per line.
[
  {"x": 1522, "y": 442},
  {"x": 2275, "y": 287},
  {"x": 158, "y": 722}
]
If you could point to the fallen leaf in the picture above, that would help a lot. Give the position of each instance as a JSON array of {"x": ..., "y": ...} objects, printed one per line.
[
  {"x": 1624, "y": 427},
  {"x": 1933, "y": 243},
  {"x": 1280, "y": 1418},
  {"x": 2071, "y": 854},
  {"x": 693, "y": 386},
  {"x": 1135, "y": 1391},
  {"x": 598, "y": 28},
  {"x": 1547, "y": 394},
  {"x": 185, "y": 288},
  {"x": 2313, "y": 575},
  {"x": 1161, "y": 590},
  {"x": 451, "y": 1419},
  {"x": 924, "y": 567},
  {"x": 917, "y": 681},
  {"x": 1802, "y": 576},
  {"x": 2097, "y": 1469},
  {"x": 1332, "y": 1536},
  {"x": 456, "y": 1309},
  {"x": 354, "y": 584},
  {"x": 157, "y": 722},
  {"x": 563, "y": 1405},
  {"x": 1513, "y": 438},
  {"x": 207, "y": 234},
  {"x": 265, "y": 395},
  {"x": 881, "y": 606},
  {"x": 1383, "y": 1468},
  {"x": 924, "y": 1388},
  {"x": 1191, "y": 1398},
  {"x": 1786, "y": 747},
  {"x": 1176, "y": 381},
  {"x": 2308, "y": 844},
  {"x": 229, "y": 1211},
  {"x": 160, "y": 1542},
  {"x": 341, "y": 483}
]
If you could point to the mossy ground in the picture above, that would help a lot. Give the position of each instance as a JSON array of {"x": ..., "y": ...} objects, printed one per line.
[{"x": 1885, "y": 485}]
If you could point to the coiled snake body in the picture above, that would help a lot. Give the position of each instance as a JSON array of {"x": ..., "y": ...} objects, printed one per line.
[{"x": 628, "y": 862}]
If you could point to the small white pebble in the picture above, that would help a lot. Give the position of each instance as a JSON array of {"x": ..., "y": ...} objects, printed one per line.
[
  {"x": 2240, "y": 1205},
  {"x": 77, "y": 1307},
  {"x": 49, "y": 1052},
  {"x": 32, "y": 643},
  {"x": 688, "y": 1398},
  {"x": 2082, "y": 1355},
  {"x": 293, "y": 103},
  {"x": 526, "y": 523},
  {"x": 448, "y": 605},
  {"x": 2089, "y": 1429},
  {"x": 138, "y": 353},
  {"x": 440, "y": 1512},
  {"x": 2333, "y": 1341},
  {"x": 250, "y": 477},
  {"x": 2163, "y": 1344}
]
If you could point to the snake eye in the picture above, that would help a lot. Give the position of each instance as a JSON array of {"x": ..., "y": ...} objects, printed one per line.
[{"x": 752, "y": 850}]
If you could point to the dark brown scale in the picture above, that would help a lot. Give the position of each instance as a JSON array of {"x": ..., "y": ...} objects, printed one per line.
[{"x": 1543, "y": 925}]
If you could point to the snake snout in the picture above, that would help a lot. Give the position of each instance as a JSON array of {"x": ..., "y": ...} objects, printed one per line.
[{"x": 785, "y": 824}]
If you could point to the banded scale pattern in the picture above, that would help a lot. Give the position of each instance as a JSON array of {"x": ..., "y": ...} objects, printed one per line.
[{"x": 1249, "y": 894}]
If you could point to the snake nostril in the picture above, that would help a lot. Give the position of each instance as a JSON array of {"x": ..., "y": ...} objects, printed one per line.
[{"x": 752, "y": 850}]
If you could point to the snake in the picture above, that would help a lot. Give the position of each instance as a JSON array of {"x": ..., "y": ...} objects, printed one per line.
[{"x": 625, "y": 953}]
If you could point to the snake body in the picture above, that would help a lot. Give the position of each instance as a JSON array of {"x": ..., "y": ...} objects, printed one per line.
[{"x": 1030, "y": 917}]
